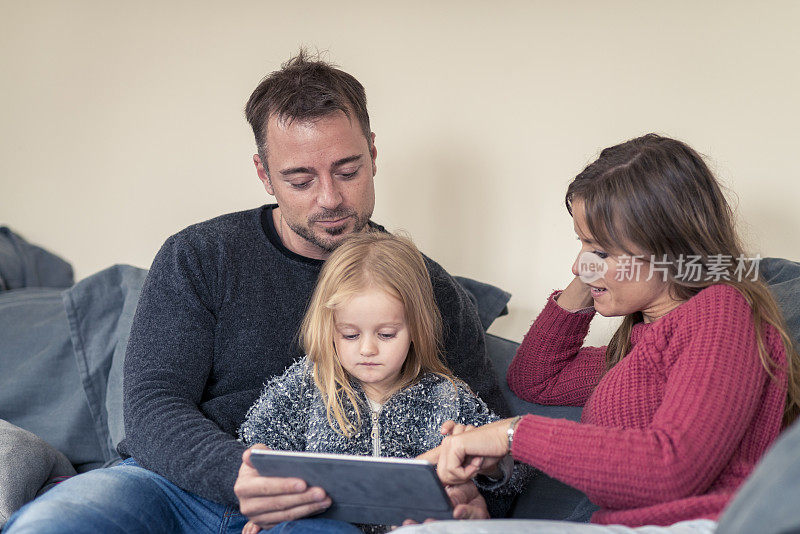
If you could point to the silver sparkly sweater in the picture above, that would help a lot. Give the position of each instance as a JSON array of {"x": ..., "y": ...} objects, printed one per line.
[{"x": 290, "y": 415}]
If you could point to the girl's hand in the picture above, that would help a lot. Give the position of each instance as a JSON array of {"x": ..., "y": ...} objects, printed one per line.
[
  {"x": 451, "y": 428},
  {"x": 463, "y": 456},
  {"x": 576, "y": 296}
]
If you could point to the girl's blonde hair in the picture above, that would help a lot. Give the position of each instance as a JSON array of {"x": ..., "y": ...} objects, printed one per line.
[
  {"x": 657, "y": 195},
  {"x": 394, "y": 265}
]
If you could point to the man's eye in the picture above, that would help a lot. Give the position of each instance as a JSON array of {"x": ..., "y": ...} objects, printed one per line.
[
  {"x": 300, "y": 185},
  {"x": 348, "y": 175}
]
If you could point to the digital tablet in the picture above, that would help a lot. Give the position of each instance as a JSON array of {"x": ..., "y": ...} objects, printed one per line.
[{"x": 364, "y": 489}]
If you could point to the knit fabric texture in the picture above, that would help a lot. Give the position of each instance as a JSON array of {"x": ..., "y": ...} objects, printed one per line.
[
  {"x": 219, "y": 315},
  {"x": 671, "y": 431}
]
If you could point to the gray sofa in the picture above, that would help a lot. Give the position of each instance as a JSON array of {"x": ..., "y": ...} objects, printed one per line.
[{"x": 62, "y": 350}]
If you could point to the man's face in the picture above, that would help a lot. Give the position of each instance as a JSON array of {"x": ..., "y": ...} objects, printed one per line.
[{"x": 321, "y": 173}]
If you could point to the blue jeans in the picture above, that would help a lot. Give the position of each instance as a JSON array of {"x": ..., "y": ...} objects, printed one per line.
[
  {"x": 123, "y": 499},
  {"x": 313, "y": 526}
]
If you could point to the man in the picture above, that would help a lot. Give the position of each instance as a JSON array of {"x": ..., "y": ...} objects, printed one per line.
[{"x": 219, "y": 315}]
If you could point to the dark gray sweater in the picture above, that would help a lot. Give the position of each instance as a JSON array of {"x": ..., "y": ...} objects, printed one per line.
[{"x": 218, "y": 316}]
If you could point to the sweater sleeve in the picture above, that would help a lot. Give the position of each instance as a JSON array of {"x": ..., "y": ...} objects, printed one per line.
[
  {"x": 472, "y": 410},
  {"x": 550, "y": 366},
  {"x": 279, "y": 418},
  {"x": 712, "y": 391},
  {"x": 464, "y": 343},
  {"x": 167, "y": 364}
]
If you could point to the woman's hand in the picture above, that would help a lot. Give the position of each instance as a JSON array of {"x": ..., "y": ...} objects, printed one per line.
[
  {"x": 448, "y": 428},
  {"x": 464, "y": 455},
  {"x": 576, "y": 296},
  {"x": 488, "y": 465}
]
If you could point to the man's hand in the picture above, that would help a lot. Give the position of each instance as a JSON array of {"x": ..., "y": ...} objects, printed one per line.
[
  {"x": 464, "y": 455},
  {"x": 467, "y": 503},
  {"x": 267, "y": 501}
]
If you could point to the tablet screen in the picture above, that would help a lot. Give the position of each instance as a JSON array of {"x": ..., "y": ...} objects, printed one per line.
[{"x": 364, "y": 489}]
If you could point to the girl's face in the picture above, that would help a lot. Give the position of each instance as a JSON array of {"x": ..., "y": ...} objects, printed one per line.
[
  {"x": 626, "y": 284},
  {"x": 372, "y": 340}
]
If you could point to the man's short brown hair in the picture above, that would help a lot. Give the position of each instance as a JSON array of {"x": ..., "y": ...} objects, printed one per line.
[{"x": 305, "y": 88}]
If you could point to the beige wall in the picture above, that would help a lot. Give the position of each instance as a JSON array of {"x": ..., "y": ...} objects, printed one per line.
[{"x": 122, "y": 122}]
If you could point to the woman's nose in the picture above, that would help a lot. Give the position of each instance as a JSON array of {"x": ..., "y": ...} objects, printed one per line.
[{"x": 575, "y": 266}]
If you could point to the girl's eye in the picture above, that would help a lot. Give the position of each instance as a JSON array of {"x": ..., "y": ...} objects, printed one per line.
[
  {"x": 350, "y": 336},
  {"x": 600, "y": 254},
  {"x": 386, "y": 336}
]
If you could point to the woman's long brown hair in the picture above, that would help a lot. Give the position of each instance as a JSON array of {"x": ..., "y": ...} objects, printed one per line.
[{"x": 656, "y": 195}]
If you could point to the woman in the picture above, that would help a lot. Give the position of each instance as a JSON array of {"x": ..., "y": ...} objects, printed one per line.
[{"x": 696, "y": 383}]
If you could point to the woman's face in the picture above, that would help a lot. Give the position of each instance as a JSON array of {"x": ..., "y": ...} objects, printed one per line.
[{"x": 619, "y": 284}]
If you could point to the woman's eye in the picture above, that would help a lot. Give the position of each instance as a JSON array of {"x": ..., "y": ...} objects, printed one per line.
[{"x": 600, "y": 254}]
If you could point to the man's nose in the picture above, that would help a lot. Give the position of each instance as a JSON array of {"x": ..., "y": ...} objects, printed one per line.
[{"x": 329, "y": 196}]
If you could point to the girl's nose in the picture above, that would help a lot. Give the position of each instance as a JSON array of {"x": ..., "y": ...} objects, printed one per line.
[{"x": 368, "y": 347}]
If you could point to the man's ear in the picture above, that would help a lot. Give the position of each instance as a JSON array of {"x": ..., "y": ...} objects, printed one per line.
[
  {"x": 263, "y": 174},
  {"x": 373, "y": 153}
]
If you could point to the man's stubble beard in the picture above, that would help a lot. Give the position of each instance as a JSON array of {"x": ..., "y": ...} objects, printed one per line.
[{"x": 304, "y": 231}]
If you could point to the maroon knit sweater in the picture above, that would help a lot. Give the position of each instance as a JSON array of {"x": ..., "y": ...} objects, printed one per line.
[{"x": 671, "y": 431}]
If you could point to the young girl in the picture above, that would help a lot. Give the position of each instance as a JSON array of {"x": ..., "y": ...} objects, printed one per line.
[
  {"x": 695, "y": 385},
  {"x": 373, "y": 382}
]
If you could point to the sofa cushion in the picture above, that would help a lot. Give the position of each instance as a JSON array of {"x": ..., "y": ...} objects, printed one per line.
[
  {"x": 490, "y": 300},
  {"x": 40, "y": 387},
  {"x": 783, "y": 278},
  {"x": 100, "y": 311},
  {"x": 25, "y": 265},
  {"x": 764, "y": 504},
  {"x": 26, "y": 464}
]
